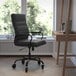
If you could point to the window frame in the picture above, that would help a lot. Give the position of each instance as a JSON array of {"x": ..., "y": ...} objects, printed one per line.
[{"x": 23, "y": 11}]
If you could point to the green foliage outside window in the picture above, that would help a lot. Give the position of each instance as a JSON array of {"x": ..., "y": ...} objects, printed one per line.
[
  {"x": 37, "y": 18},
  {"x": 6, "y": 9}
]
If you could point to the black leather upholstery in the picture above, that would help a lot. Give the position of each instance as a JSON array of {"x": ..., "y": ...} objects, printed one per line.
[
  {"x": 22, "y": 35},
  {"x": 22, "y": 32}
]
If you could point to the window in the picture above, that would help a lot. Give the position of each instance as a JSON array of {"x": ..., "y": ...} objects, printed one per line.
[
  {"x": 40, "y": 16},
  {"x": 7, "y": 7}
]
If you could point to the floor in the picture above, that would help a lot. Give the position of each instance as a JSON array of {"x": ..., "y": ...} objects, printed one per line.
[{"x": 51, "y": 69}]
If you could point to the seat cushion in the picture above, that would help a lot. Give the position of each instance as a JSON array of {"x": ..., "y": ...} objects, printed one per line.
[{"x": 34, "y": 43}]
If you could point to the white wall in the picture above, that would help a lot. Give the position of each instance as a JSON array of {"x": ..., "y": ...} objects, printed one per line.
[
  {"x": 58, "y": 15},
  {"x": 58, "y": 5},
  {"x": 7, "y": 47},
  {"x": 74, "y": 29}
]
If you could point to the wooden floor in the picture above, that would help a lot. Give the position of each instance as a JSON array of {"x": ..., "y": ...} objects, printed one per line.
[{"x": 51, "y": 69}]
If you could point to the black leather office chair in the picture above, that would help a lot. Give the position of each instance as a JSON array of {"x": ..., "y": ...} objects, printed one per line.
[{"x": 21, "y": 39}]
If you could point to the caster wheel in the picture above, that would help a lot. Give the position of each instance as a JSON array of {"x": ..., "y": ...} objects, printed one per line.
[
  {"x": 23, "y": 62},
  {"x": 38, "y": 62},
  {"x": 26, "y": 70},
  {"x": 42, "y": 66},
  {"x": 14, "y": 66}
]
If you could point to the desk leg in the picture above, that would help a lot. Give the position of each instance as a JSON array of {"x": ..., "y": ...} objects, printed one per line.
[
  {"x": 58, "y": 52},
  {"x": 65, "y": 53}
]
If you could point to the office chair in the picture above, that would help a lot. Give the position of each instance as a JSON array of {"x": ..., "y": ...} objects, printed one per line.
[{"x": 22, "y": 39}]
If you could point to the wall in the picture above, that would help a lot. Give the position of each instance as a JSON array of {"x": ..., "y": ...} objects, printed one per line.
[
  {"x": 72, "y": 46},
  {"x": 74, "y": 29},
  {"x": 58, "y": 19},
  {"x": 7, "y": 47},
  {"x": 58, "y": 16}
]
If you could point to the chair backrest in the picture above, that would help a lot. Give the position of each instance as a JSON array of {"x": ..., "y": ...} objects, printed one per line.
[{"x": 20, "y": 26}]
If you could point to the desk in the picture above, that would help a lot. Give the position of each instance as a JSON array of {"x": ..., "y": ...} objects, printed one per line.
[{"x": 60, "y": 36}]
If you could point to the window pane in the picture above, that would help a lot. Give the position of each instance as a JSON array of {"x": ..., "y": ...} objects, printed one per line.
[
  {"x": 7, "y": 7},
  {"x": 40, "y": 16}
]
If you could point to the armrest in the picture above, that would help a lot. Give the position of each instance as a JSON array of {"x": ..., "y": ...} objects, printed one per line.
[{"x": 37, "y": 33}]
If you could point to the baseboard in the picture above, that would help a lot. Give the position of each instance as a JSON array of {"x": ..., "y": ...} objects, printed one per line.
[{"x": 25, "y": 55}]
